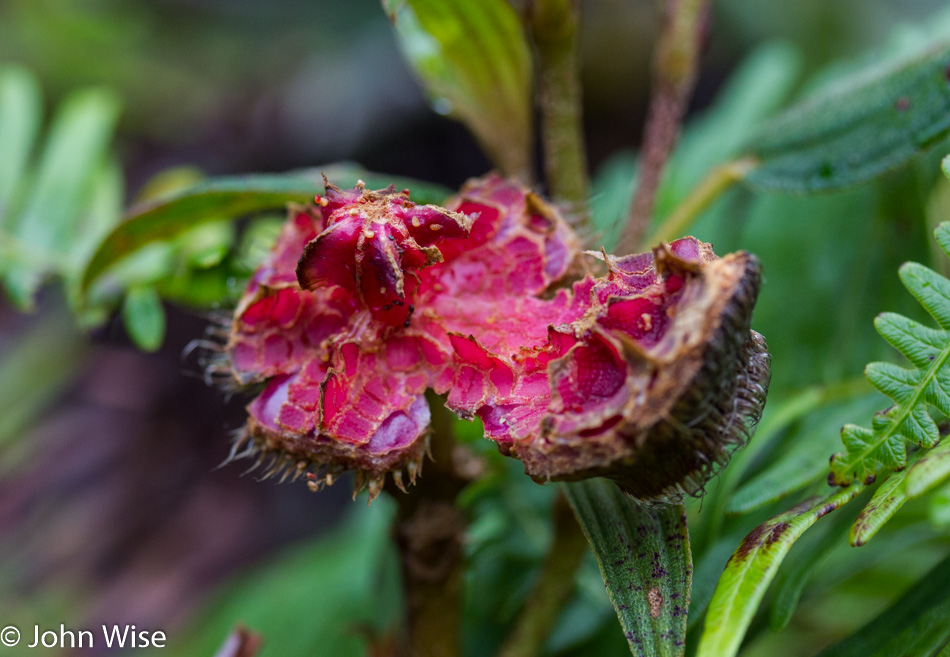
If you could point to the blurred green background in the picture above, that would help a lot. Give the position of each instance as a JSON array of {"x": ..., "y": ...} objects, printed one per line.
[{"x": 110, "y": 507}]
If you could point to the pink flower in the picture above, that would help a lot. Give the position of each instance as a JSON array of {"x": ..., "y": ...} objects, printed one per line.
[{"x": 648, "y": 374}]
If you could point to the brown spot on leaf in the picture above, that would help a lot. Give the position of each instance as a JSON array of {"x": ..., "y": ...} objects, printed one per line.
[
  {"x": 655, "y": 598},
  {"x": 902, "y": 104},
  {"x": 765, "y": 534},
  {"x": 750, "y": 541},
  {"x": 775, "y": 533}
]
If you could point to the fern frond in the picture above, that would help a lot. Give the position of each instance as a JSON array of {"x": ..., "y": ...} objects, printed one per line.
[{"x": 913, "y": 390}]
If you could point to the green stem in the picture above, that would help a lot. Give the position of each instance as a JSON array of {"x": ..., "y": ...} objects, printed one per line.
[
  {"x": 553, "y": 26},
  {"x": 674, "y": 74},
  {"x": 553, "y": 588},
  {"x": 716, "y": 182},
  {"x": 429, "y": 532}
]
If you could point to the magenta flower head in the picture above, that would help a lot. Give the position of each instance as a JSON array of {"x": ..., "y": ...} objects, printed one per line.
[
  {"x": 372, "y": 244},
  {"x": 647, "y": 374}
]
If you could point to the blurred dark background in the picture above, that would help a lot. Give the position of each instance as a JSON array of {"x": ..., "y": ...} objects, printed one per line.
[{"x": 110, "y": 507}]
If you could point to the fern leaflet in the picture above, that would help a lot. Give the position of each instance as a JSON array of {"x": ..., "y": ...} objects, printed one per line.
[{"x": 913, "y": 390}]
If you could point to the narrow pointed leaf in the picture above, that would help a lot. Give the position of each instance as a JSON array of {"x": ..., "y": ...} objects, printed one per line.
[
  {"x": 751, "y": 569},
  {"x": 21, "y": 110},
  {"x": 857, "y": 130},
  {"x": 887, "y": 500},
  {"x": 931, "y": 470},
  {"x": 74, "y": 152},
  {"x": 940, "y": 508},
  {"x": 644, "y": 557},
  {"x": 475, "y": 64}
]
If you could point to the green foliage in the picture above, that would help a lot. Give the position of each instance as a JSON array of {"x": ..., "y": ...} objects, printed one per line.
[
  {"x": 857, "y": 129},
  {"x": 144, "y": 318},
  {"x": 806, "y": 558},
  {"x": 805, "y": 460},
  {"x": 889, "y": 497},
  {"x": 645, "y": 560},
  {"x": 751, "y": 569},
  {"x": 755, "y": 91},
  {"x": 20, "y": 116},
  {"x": 51, "y": 194},
  {"x": 928, "y": 469},
  {"x": 916, "y": 625},
  {"x": 912, "y": 390},
  {"x": 475, "y": 63}
]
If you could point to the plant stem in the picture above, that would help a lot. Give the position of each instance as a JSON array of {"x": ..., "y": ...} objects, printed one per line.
[
  {"x": 674, "y": 74},
  {"x": 554, "y": 586},
  {"x": 718, "y": 181},
  {"x": 553, "y": 26},
  {"x": 429, "y": 532}
]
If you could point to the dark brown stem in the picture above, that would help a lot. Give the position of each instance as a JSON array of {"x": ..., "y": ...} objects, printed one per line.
[
  {"x": 674, "y": 74},
  {"x": 553, "y": 27},
  {"x": 554, "y": 586},
  {"x": 429, "y": 532}
]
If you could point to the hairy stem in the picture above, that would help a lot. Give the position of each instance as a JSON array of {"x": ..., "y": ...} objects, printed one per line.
[
  {"x": 718, "y": 181},
  {"x": 553, "y": 588},
  {"x": 553, "y": 26},
  {"x": 429, "y": 532},
  {"x": 674, "y": 74}
]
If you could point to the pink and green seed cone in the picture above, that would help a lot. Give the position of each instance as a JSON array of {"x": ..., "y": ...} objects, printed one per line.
[{"x": 648, "y": 375}]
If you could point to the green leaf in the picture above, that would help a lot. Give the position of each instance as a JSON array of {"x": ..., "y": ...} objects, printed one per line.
[
  {"x": 171, "y": 216},
  {"x": 144, "y": 318},
  {"x": 207, "y": 245},
  {"x": 916, "y": 625},
  {"x": 807, "y": 557},
  {"x": 940, "y": 508},
  {"x": 644, "y": 557},
  {"x": 74, "y": 152},
  {"x": 854, "y": 131},
  {"x": 21, "y": 111},
  {"x": 476, "y": 66},
  {"x": 751, "y": 569},
  {"x": 929, "y": 471},
  {"x": 911, "y": 389},
  {"x": 887, "y": 501}
]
